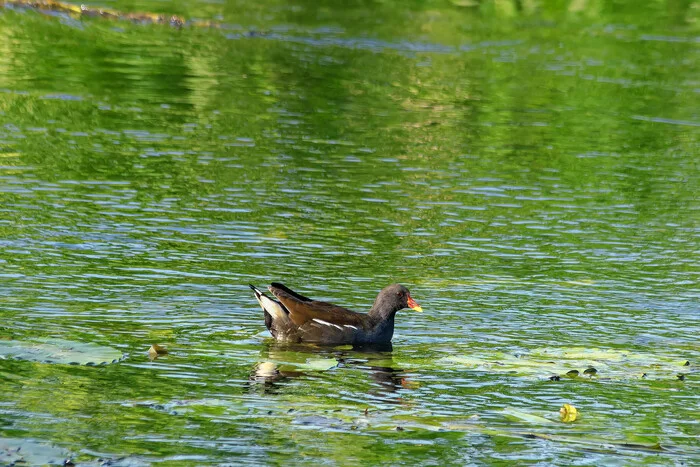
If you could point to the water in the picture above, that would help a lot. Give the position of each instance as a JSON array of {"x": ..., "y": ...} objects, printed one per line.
[{"x": 529, "y": 171}]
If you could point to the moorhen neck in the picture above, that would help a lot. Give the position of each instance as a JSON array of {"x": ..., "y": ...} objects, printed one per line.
[{"x": 296, "y": 318}]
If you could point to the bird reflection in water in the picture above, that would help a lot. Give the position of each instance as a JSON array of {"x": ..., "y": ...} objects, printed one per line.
[{"x": 280, "y": 363}]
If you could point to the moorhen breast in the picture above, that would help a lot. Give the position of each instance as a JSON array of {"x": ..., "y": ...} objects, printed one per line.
[{"x": 296, "y": 318}]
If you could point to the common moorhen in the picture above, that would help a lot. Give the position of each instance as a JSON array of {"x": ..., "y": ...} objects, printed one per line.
[{"x": 295, "y": 318}]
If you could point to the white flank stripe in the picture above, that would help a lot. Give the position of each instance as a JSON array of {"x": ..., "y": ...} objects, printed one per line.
[
  {"x": 350, "y": 326},
  {"x": 320, "y": 321}
]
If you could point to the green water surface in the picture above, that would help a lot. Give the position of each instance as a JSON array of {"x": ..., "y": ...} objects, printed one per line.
[{"x": 529, "y": 169}]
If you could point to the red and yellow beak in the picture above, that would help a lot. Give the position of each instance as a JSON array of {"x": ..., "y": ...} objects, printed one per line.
[{"x": 414, "y": 304}]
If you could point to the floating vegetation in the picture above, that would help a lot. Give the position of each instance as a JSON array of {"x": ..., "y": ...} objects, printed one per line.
[
  {"x": 59, "y": 351},
  {"x": 27, "y": 452},
  {"x": 521, "y": 415},
  {"x": 553, "y": 363},
  {"x": 156, "y": 351}
]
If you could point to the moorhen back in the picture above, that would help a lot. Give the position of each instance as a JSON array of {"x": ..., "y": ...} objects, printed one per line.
[{"x": 296, "y": 318}]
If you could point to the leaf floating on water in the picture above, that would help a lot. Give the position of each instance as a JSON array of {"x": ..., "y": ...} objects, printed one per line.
[
  {"x": 60, "y": 351},
  {"x": 568, "y": 413},
  {"x": 687, "y": 363},
  {"x": 681, "y": 376},
  {"x": 156, "y": 351},
  {"x": 318, "y": 421},
  {"x": 469, "y": 362},
  {"x": 526, "y": 417},
  {"x": 547, "y": 361},
  {"x": 555, "y": 378},
  {"x": 26, "y": 452},
  {"x": 319, "y": 364},
  {"x": 591, "y": 442},
  {"x": 572, "y": 373}
]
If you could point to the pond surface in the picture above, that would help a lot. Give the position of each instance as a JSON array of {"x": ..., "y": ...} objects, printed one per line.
[{"x": 529, "y": 170}]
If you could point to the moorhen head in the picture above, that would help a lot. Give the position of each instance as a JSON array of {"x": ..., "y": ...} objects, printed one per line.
[{"x": 296, "y": 318}]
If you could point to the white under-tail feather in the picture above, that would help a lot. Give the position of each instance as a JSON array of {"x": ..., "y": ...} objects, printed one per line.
[{"x": 267, "y": 304}]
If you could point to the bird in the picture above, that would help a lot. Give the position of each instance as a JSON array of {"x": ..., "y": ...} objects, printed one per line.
[{"x": 292, "y": 317}]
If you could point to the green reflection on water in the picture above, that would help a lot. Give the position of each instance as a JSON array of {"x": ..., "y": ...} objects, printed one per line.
[{"x": 528, "y": 169}]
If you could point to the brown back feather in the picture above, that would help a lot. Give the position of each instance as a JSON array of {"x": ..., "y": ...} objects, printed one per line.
[{"x": 301, "y": 312}]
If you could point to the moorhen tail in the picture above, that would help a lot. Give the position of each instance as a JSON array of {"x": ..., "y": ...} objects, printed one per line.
[{"x": 296, "y": 318}]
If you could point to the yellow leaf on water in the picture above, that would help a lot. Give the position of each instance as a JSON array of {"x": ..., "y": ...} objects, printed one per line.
[
  {"x": 568, "y": 413},
  {"x": 155, "y": 351}
]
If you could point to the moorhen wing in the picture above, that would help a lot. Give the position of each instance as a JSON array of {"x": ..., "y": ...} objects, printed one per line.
[{"x": 296, "y": 318}]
